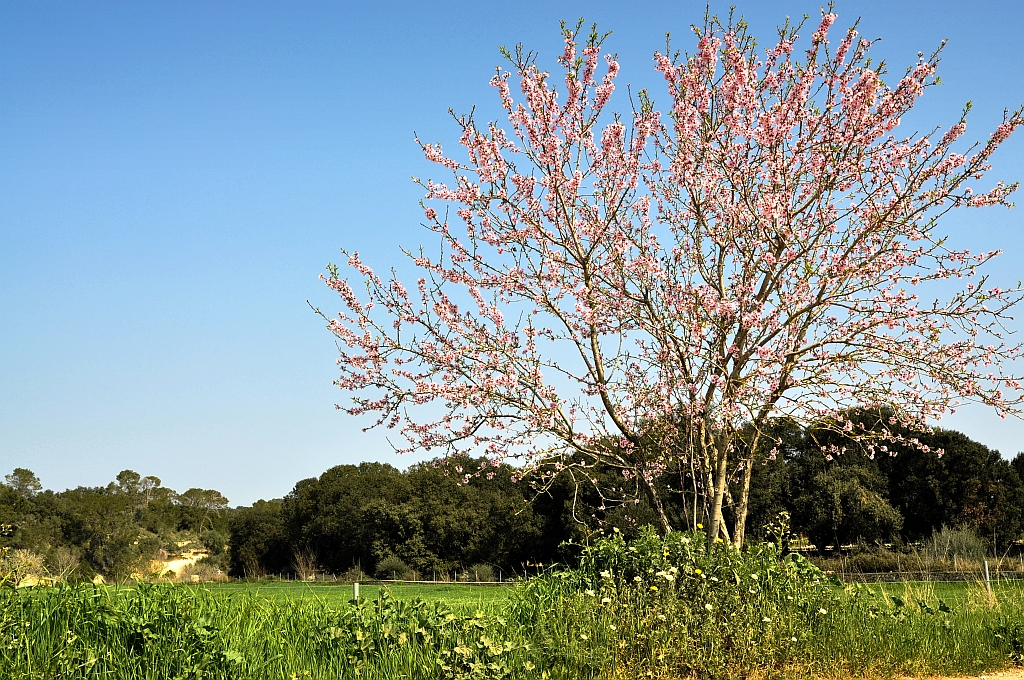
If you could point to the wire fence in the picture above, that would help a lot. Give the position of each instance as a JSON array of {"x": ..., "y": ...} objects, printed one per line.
[
  {"x": 926, "y": 576},
  {"x": 366, "y": 580}
]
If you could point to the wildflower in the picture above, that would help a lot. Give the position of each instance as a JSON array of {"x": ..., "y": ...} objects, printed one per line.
[
  {"x": 654, "y": 589},
  {"x": 697, "y": 571},
  {"x": 589, "y": 593},
  {"x": 661, "y": 617},
  {"x": 605, "y": 600},
  {"x": 606, "y": 574},
  {"x": 766, "y": 620},
  {"x": 754, "y": 576},
  {"x": 708, "y": 606},
  {"x": 612, "y": 626},
  {"x": 792, "y": 639},
  {"x": 637, "y": 579},
  {"x": 822, "y": 611},
  {"x": 584, "y": 636}
]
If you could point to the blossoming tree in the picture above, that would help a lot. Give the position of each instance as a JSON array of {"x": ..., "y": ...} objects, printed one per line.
[{"x": 639, "y": 291}]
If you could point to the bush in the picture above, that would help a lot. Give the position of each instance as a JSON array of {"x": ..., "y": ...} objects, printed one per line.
[
  {"x": 62, "y": 563},
  {"x": 962, "y": 544},
  {"x": 214, "y": 541},
  {"x": 205, "y": 570},
  {"x": 636, "y": 602},
  {"x": 481, "y": 573},
  {"x": 393, "y": 568},
  {"x": 354, "y": 575},
  {"x": 20, "y": 566}
]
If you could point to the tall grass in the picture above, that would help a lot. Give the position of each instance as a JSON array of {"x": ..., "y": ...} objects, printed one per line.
[{"x": 658, "y": 608}]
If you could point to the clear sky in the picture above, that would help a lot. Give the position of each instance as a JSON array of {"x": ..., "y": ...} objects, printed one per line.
[{"x": 175, "y": 176}]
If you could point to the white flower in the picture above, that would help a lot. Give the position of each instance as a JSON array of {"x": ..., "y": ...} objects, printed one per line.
[
  {"x": 612, "y": 626},
  {"x": 792, "y": 639},
  {"x": 708, "y": 606},
  {"x": 637, "y": 579},
  {"x": 605, "y": 600},
  {"x": 822, "y": 611},
  {"x": 589, "y": 593},
  {"x": 661, "y": 617},
  {"x": 754, "y": 576},
  {"x": 766, "y": 620},
  {"x": 605, "y": 574}
]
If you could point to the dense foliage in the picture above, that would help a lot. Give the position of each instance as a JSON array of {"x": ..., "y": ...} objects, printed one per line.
[
  {"x": 430, "y": 519},
  {"x": 438, "y": 520},
  {"x": 114, "y": 530},
  {"x": 905, "y": 494}
]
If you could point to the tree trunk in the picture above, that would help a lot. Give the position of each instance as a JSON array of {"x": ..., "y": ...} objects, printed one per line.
[
  {"x": 739, "y": 528},
  {"x": 716, "y": 524},
  {"x": 664, "y": 525}
]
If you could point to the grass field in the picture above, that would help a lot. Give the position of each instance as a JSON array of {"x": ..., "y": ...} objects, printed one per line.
[
  {"x": 474, "y": 596},
  {"x": 659, "y": 607},
  {"x": 336, "y": 595}
]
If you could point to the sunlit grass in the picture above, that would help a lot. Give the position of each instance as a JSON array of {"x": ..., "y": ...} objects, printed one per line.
[{"x": 660, "y": 608}]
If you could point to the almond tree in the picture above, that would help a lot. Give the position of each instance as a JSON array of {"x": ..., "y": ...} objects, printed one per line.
[{"x": 641, "y": 291}]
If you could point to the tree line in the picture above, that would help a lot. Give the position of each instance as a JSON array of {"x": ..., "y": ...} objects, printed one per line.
[
  {"x": 442, "y": 518},
  {"x": 115, "y": 530},
  {"x": 437, "y": 520}
]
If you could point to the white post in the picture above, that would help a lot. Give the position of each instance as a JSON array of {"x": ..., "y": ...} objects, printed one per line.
[
  {"x": 988, "y": 581},
  {"x": 355, "y": 591}
]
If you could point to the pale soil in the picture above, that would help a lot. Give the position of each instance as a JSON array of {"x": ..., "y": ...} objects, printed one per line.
[{"x": 185, "y": 560}]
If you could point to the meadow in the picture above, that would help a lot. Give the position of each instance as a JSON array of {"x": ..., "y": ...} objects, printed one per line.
[
  {"x": 336, "y": 595},
  {"x": 655, "y": 608}
]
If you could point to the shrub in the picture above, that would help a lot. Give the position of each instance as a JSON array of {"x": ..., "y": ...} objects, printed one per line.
[
  {"x": 392, "y": 567},
  {"x": 670, "y": 603},
  {"x": 481, "y": 573},
  {"x": 962, "y": 544},
  {"x": 19, "y": 566}
]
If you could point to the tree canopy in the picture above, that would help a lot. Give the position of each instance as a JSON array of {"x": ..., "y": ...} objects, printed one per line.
[{"x": 635, "y": 292}]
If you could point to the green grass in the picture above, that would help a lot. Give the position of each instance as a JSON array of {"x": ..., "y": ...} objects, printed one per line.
[
  {"x": 950, "y": 593},
  {"x": 658, "y": 608},
  {"x": 337, "y": 595}
]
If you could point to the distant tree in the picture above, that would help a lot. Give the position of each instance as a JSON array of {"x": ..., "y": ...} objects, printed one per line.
[
  {"x": 847, "y": 504},
  {"x": 969, "y": 486},
  {"x": 203, "y": 503},
  {"x": 326, "y": 515},
  {"x": 148, "y": 487},
  {"x": 258, "y": 541},
  {"x": 128, "y": 482},
  {"x": 24, "y": 482}
]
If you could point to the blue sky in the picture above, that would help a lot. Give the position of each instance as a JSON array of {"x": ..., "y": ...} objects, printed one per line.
[{"x": 174, "y": 177}]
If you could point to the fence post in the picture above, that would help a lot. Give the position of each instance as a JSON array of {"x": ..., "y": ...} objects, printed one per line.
[
  {"x": 988, "y": 581},
  {"x": 355, "y": 592}
]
